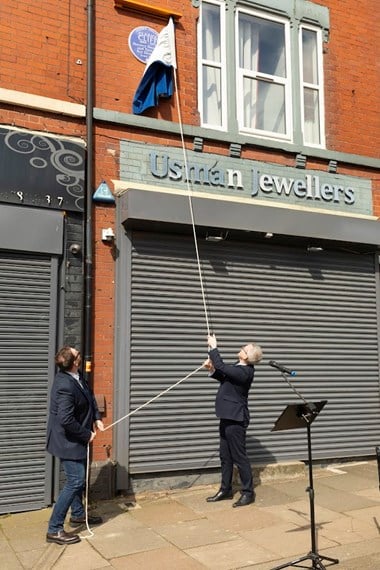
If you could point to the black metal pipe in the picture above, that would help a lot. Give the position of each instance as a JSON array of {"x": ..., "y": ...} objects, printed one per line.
[{"x": 88, "y": 266}]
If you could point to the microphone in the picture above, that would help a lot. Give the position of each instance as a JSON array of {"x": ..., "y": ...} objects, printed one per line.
[{"x": 282, "y": 368}]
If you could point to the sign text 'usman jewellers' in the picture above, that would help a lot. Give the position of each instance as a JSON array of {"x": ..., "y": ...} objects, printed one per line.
[{"x": 309, "y": 187}]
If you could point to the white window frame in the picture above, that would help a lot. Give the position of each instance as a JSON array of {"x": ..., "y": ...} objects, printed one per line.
[
  {"x": 286, "y": 82},
  {"x": 222, "y": 66},
  {"x": 294, "y": 85},
  {"x": 319, "y": 88}
]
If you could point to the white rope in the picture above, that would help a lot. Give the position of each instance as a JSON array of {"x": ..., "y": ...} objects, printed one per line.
[
  {"x": 90, "y": 533},
  {"x": 118, "y": 421},
  {"x": 190, "y": 201},
  {"x": 155, "y": 398},
  {"x": 203, "y": 299}
]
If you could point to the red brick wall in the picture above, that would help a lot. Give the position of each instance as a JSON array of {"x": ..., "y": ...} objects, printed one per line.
[
  {"x": 352, "y": 77},
  {"x": 36, "y": 120},
  {"x": 351, "y": 69},
  {"x": 119, "y": 72},
  {"x": 40, "y": 43},
  {"x": 376, "y": 195},
  {"x": 103, "y": 311}
]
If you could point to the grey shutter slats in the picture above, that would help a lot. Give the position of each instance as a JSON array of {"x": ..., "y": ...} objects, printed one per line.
[
  {"x": 25, "y": 329},
  {"x": 316, "y": 313}
]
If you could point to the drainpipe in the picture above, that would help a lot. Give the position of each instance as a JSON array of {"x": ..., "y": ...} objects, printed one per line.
[{"x": 88, "y": 269}]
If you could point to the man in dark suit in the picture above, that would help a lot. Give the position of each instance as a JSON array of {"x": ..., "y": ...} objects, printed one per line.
[
  {"x": 73, "y": 413},
  {"x": 231, "y": 406}
]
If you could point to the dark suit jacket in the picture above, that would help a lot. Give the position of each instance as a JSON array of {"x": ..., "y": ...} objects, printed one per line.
[
  {"x": 73, "y": 411},
  {"x": 235, "y": 381}
]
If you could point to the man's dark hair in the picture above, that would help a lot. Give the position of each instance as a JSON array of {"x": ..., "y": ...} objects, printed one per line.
[{"x": 65, "y": 358}]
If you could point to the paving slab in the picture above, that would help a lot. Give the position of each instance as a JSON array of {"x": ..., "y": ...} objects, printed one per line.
[
  {"x": 122, "y": 523},
  {"x": 8, "y": 558},
  {"x": 347, "y": 552},
  {"x": 347, "y": 530},
  {"x": 370, "y": 515},
  {"x": 190, "y": 534},
  {"x": 21, "y": 540},
  {"x": 31, "y": 558},
  {"x": 25, "y": 520},
  {"x": 298, "y": 513},
  {"x": 121, "y": 543},
  {"x": 229, "y": 555},
  {"x": 295, "y": 489},
  {"x": 276, "y": 495},
  {"x": 198, "y": 504},
  {"x": 366, "y": 469},
  {"x": 42, "y": 559},
  {"x": 285, "y": 539},
  {"x": 163, "y": 511},
  {"x": 162, "y": 559},
  {"x": 80, "y": 556},
  {"x": 246, "y": 518},
  {"x": 345, "y": 482},
  {"x": 179, "y": 530},
  {"x": 371, "y": 493},
  {"x": 359, "y": 556},
  {"x": 339, "y": 501},
  {"x": 362, "y": 563}
]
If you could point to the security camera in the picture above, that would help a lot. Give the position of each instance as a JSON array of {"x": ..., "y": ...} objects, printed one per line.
[{"x": 75, "y": 248}]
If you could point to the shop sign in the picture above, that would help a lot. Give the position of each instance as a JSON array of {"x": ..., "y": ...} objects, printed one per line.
[
  {"x": 220, "y": 175},
  {"x": 260, "y": 183},
  {"x": 42, "y": 171}
]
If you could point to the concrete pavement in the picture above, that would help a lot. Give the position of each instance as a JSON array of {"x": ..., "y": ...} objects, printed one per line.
[{"x": 180, "y": 530}]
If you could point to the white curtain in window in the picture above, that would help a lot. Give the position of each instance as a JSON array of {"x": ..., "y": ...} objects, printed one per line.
[
  {"x": 211, "y": 71},
  {"x": 248, "y": 61},
  {"x": 261, "y": 50},
  {"x": 311, "y": 117}
]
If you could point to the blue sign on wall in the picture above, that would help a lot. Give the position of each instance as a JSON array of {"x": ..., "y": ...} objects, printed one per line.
[{"x": 142, "y": 41}]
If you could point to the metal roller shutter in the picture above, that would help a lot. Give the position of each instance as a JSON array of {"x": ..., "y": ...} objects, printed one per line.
[
  {"x": 27, "y": 329},
  {"x": 317, "y": 313}
]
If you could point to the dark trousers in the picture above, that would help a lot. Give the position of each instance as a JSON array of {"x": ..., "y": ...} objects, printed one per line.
[
  {"x": 71, "y": 494},
  {"x": 233, "y": 451}
]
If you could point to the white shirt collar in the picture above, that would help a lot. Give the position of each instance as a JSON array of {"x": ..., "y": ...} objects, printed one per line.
[{"x": 74, "y": 375}]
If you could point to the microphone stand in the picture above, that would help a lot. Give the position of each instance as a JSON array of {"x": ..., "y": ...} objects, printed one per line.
[
  {"x": 309, "y": 411},
  {"x": 293, "y": 388}
]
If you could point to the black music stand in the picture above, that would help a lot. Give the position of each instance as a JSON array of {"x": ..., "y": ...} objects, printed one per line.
[
  {"x": 377, "y": 449},
  {"x": 299, "y": 416}
]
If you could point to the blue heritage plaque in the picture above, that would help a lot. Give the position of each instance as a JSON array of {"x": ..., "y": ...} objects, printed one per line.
[{"x": 142, "y": 41}]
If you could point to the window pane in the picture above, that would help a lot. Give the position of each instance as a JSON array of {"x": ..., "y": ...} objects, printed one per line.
[
  {"x": 264, "y": 106},
  {"x": 311, "y": 118},
  {"x": 211, "y": 32},
  {"x": 212, "y": 103},
  {"x": 211, "y": 62},
  {"x": 309, "y": 56},
  {"x": 262, "y": 45}
]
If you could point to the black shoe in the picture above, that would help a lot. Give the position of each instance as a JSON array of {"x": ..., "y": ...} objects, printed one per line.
[
  {"x": 245, "y": 499},
  {"x": 62, "y": 537},
  {"x": 82, "y": 520},
  {"x": 220, "y": 496}
]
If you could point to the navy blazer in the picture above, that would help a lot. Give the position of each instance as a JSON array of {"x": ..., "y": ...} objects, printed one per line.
[
  {"x": 235, "y": 381},
  {"x": 73, "y": 410}
]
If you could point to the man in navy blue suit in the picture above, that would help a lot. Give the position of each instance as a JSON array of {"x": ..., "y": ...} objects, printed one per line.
[
  {"x": 71, "y": 427},
  {"x": 231, "y": 406}
]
